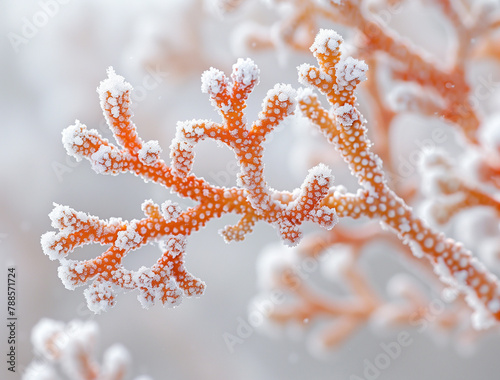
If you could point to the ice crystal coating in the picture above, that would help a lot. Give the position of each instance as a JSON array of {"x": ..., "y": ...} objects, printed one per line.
[
  {"x": 150, "y": 152},
  {"x": 326, "y": 41},
  {"x": 70, "y": 349},
  {"x": 316, "y": 200},
  {"x": 350, "y": 72},
  {"x": 168, "y": 225},
  {"x": 452, "y": 261}
]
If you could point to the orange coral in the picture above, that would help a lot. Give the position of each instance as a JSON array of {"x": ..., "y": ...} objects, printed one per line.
[
  {"x": 425, "y": 86},
  {"x": 448, "y": 193},
  {"x": 70, "y": 350},
  {"x": 413, "y": 65},
  {"x": 346, "y": 130},
  {"x": 168, "y": 225},
  {"x": 342, "y": 315},
  {"x": 317, "y": 201}
]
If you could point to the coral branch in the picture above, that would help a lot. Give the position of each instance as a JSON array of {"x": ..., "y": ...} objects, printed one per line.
[
  {"x": 167, "y": 281},
  {"x": 70, "y": 350},
  {"x": 447, "y": 192},
  {"x": 246, "y": 142},
  {"x": 451, "y": 260},
  {"x": 344, "y": 127}
]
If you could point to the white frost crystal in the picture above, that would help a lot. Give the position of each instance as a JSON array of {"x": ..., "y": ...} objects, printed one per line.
[{"x": 150, "y": 152}]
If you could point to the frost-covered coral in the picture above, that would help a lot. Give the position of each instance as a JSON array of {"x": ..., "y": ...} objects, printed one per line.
[{"x": 69, "y": 350}]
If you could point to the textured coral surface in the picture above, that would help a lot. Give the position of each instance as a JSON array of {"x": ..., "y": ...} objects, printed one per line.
[{"x": 334, "y": 185}]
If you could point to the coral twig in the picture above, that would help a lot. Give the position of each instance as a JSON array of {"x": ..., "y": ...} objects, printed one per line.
[
  {"x": 167, "y": 281},
  {"x": 70, "y": 350},
  {"x": 345, "y": 128},
  {"x": 317, "y": 200}
]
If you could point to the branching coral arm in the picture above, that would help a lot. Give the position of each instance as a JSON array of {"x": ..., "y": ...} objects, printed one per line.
[
  {"x": 70, "y": 350},
  {"x": 451, "y": 260},
  {"x": 167, "y": 281},
  {"x": 416, "y": 66},
  {"x": 228, "y": 98},
  {"x": 449, "y": 193}
]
